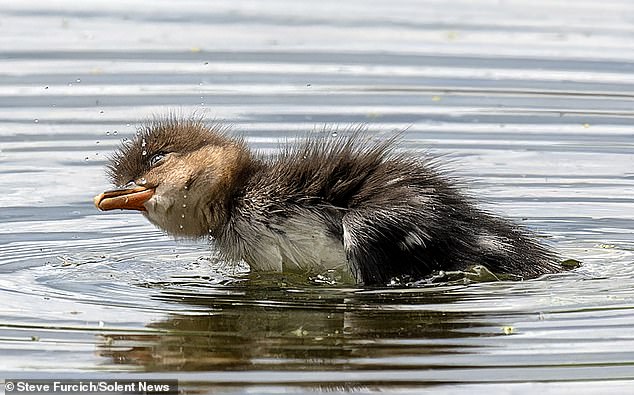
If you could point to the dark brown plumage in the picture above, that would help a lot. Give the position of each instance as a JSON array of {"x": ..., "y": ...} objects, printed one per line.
[{"x": 344, "y": 203}]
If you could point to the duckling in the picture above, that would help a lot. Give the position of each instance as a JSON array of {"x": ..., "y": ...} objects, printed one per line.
[{"x": 343, "y": 203}]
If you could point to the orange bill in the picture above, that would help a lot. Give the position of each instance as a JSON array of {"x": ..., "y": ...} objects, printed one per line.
[{"x": 124, "y": 199}]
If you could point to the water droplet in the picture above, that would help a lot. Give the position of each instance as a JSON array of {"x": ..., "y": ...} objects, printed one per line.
[
  {"x": 101, "y": 112},
  {"x": 180, "y": 226},
  {"x": 127, "y": 125},
  {"x": 184, "y": 205},
  {"x": 144, "y": 153},
  {"x": 124, "y": 139},
  {"x": 142, "y": 181},
  {"x": 107, "y": 133},
  {"x": 184, "y": 196},
  {"x": 334, "y": 134},
  {"x": 36, "y": 120},
  {"x": 97, "y": 142},
  {"x": 143, "y": 143},
  {"x": 115, "y": 132},
  {"x": 78, "y": 80},
  {"x": 86, "y": 158},
  {"x": 182, "y": 215},
  {"x": 186, "y": 187},
  {"x": 46, "y": 87}
]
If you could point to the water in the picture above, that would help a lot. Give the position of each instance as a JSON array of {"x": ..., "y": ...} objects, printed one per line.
[{"x": 531, "y": 103}]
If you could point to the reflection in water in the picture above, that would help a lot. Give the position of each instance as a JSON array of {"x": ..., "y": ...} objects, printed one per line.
[
  {"x": 497, "y": 332},
  {"x": 258, "y": 328}
]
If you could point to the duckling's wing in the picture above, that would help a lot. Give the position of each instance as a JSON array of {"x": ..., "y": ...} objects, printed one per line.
[
  {"x": 382, "y": 243},
  {"x": 385, "y": 242}
]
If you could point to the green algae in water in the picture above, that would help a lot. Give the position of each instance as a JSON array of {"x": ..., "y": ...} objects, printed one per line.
[{"x": 570, "y": 264}]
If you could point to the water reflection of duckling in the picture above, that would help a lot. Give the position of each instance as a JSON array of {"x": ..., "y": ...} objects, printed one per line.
[{"x": 328, "y": 202}]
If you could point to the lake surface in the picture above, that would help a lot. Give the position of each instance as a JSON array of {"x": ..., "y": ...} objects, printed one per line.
[{"x": 532, "y": 103}]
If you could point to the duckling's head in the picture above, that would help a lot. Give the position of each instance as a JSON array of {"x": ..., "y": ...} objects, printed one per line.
[{"x": 179, "y": 173}]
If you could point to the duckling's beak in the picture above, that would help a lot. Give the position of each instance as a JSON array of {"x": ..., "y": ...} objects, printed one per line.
[{"x": 129, "y": 197}]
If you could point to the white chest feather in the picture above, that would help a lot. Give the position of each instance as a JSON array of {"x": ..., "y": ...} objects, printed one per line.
[{"x": 300, "y": 243}]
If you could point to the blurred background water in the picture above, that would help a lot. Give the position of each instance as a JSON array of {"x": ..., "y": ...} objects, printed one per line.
[{"x": 531, "y": 101}]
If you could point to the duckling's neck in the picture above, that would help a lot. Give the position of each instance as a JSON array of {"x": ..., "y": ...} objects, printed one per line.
[{"x": 225, "y": 210}]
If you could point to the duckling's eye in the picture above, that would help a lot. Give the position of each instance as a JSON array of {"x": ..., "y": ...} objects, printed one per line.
[{"x": 156, "y": 158}]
